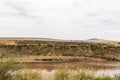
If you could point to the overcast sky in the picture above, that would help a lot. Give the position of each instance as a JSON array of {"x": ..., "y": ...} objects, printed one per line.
[{"x": 61, "y": 19}]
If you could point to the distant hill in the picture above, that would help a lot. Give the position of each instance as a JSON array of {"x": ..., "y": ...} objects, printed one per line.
[{"x": 94, "y": 39}]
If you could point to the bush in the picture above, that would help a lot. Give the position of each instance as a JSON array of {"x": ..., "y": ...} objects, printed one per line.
[
  {"x": 1, "y": 55},
  {"x": 5, "y": 67},
  {"x": 97, "y": 49}
]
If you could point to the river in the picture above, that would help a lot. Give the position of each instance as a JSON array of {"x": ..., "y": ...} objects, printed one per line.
[{"x": 109, "y": 68}]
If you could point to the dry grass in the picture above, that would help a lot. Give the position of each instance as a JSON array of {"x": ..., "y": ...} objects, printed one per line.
[
  {"x": 33, "y": 58},
  {"x": 63, "y": 75}
]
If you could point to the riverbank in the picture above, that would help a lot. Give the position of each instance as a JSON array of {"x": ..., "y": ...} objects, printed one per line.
[
  {"x": 50, "y": 59},
  {"x": 109, "y": 50}
]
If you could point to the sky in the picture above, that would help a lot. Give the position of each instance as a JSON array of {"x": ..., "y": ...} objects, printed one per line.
[{"x": 60, "y": 19}]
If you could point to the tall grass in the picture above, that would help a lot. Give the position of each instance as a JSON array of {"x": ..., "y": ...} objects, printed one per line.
[
  {"x": 81, "y": 75},
  {"x": 117, "y": 77},
  {"x": 62, "y": 75},
  {"x": 28, "y": 76}
]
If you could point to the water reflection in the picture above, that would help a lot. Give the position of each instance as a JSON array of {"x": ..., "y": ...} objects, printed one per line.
[{"x": 101, "y": 68}]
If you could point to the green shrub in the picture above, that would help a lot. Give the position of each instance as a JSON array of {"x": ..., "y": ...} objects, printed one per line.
[
  {"x": 97, "y": 49},
  {"x": 18, "y": 48},
  {"x": 1, "y": 55},
  {"x": 5, "y": 67}
]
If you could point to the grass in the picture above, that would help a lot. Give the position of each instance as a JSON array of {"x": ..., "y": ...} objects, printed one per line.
[
  {"x": 104, "y": 78},
  {"x": 64, "y": 75},
  {"x": 81, "y": 75},
  {"x": 27, "y": 76},
  {"x": 34, "y": 58},
  {"x": 61, "y": 75}
]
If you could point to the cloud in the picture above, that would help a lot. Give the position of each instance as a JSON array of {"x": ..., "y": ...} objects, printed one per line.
[
  {"x": 67, "y": 19},
  {"x": 115, "y": 32},
  {"x": 108, "y": 22},
  {"x": 19, "y": 9}
]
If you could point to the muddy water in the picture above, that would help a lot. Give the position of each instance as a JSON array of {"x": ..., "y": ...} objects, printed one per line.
[{"x": 109, "y": 68}]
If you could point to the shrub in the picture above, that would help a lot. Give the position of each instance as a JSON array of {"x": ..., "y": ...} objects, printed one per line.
[
  {"x": 1, "y": 55},
  {"x": 97, "y": 49},
  {"x": 5, "y": 67}
]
